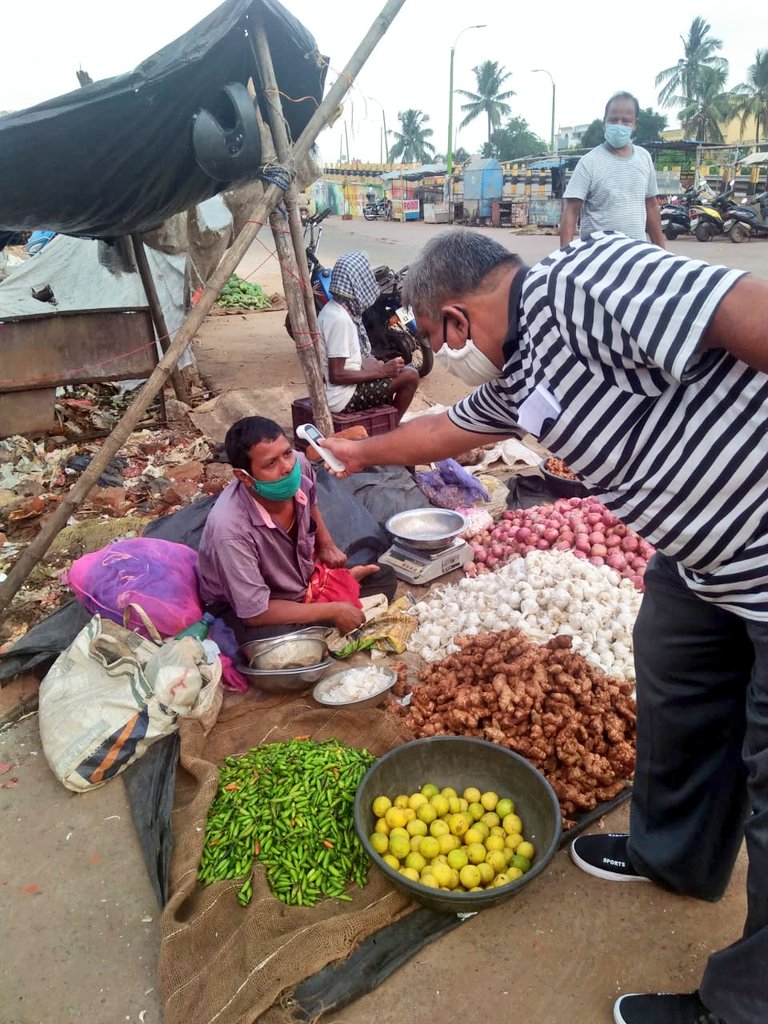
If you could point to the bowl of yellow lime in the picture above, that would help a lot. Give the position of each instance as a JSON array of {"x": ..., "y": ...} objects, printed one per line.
[{"x": 458, "y": 823}]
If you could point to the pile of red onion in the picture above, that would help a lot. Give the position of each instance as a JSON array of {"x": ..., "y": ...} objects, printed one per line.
[{"x": 582, "y": 526}]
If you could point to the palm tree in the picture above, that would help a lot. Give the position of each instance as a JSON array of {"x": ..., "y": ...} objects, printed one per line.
[
  {"x": 699, "y": 52},
  {"x": 708, "y": 108},
  {"x": 489, "y": 99},
  {"x": 411, "y": 145},
  {"x": 751, "y": 97}
]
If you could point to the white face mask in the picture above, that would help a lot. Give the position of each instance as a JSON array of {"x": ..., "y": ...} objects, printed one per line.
[{"x": 468, "y": 363}]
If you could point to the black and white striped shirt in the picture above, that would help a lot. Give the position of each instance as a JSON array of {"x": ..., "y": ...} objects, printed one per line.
[{"x": 673, "y": 440}]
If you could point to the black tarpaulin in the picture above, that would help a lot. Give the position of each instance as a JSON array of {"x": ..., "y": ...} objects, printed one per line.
[{"x": 116, "y": 156}]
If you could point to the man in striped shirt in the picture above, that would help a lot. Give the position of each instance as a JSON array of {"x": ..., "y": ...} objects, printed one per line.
[
  {"x": 613, "y": 187},
  {"x": 648, "y": 373}
]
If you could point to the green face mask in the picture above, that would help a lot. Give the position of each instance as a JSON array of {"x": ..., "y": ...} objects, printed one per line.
[{"x": 278, "y": 490}]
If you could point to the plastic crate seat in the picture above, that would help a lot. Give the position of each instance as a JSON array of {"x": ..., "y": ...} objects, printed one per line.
[{"x": 379, "y": 420}]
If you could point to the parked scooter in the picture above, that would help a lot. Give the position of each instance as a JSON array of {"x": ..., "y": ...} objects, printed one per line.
[
  {"x": 313, "y": 230},
  {"x": 749, "y": 219},
  {"x": 676, "y": 215},
  {"x": 710, "y": 216}
]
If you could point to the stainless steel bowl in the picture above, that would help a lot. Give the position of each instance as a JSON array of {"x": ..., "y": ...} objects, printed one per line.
[
  {"x": 308, "y": 646},
  {"x": 303, "y": 652},
  {"x": 289, "y": 680},
  {"x": 427, "y": 529},
  {"x": 389, "y": 678}
]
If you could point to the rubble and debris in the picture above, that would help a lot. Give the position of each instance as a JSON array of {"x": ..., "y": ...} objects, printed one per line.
[
  {"x": 84, "y": 410},
  {"x": 158, "y": 471},
  {"x": 112, "y": 475}
]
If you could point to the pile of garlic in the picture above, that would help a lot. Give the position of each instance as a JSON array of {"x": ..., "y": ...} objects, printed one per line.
[{"x": 545, "y": 594}]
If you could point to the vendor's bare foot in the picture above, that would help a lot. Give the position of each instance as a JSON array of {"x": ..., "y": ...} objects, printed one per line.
[{"x": 359, "y": 572}]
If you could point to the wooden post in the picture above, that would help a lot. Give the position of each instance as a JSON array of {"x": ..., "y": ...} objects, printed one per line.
[
  {"x": 156, "y": 312},
  {"x": 293, "y": 263},
  {"x": 305, "y": 342},
  {"x": 232, "y": 257},
  {"x": 284, "y": 153}
]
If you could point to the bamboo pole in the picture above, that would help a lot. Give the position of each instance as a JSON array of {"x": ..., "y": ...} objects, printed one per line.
[
  {"x": 156, "y": 312},
  {"x": 293, "y": 263},
  {"x": 265, "y": 70},
  {"x": 232, "y": 257},
  {"x": 307, "y": 352}
]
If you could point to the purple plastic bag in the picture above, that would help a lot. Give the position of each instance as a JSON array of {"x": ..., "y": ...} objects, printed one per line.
[
  {"x": 451, "y": 486},
  {"x": 158, "y": 575}
]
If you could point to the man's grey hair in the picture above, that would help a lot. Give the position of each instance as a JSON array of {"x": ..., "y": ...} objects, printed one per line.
[{"x": 451, "y": 265}]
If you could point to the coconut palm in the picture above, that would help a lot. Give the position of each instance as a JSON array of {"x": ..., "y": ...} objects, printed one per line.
[
  {"x": 708, "y": 108},
  {"x": 751, "y": 97},
  {"x": 699, "y": 53},
  {"x": 411, "y": 142},
  {"x": 489, "y": 99}
]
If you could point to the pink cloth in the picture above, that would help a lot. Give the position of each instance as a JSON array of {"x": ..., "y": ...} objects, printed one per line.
[{"x": 230, "y": 677}]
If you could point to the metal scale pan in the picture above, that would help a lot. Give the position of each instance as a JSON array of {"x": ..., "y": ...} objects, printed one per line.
[{"x": 426, "y": 544}]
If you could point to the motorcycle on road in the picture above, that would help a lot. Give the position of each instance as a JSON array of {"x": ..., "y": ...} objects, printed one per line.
[{"x": 378, "y": 210}]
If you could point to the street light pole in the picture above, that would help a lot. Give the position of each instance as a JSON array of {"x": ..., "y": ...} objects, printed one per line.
[
  {"x": 543, "y": 71},
  {"x": 449, "y": 151},
  {"x": 384, "y": 122}
]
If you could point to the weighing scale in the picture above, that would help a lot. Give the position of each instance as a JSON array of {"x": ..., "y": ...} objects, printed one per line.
[{"x": 419, "y": 567}]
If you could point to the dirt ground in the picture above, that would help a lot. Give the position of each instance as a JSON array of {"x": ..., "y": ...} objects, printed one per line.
[{"x": 80, "y": 921}]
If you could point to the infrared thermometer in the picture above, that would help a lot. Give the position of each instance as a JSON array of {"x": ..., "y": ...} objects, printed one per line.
[{"x": 309, "y": 433}]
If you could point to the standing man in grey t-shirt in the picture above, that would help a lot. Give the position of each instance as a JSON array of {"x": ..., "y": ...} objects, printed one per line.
[{"x": 614, "y": 187}]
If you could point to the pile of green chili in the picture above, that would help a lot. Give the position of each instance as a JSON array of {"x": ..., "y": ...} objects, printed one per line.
[{"x": 289, "y": 806}]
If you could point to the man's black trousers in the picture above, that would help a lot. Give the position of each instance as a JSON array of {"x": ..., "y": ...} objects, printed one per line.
[{"x": 701, "y": 783}]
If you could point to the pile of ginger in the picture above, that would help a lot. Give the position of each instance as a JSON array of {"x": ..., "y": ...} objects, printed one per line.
[{"x": 575, "y": 724}]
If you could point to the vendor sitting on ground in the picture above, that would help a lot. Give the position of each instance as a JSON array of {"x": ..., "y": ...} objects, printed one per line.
[
  {"x": 267, "y": 562},
  {"x": 354, "y": 379}
]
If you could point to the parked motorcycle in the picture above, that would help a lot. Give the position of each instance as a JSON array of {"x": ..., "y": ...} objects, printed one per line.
[
  {"x": 380, "y": 209},
  {"x": 390, "y": 327},
  {"x": 749, "y": 219},
  {"x": 710, "y": 216}
]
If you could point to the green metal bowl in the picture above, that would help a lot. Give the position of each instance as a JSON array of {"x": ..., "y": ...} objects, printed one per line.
[{"x": 460, "y": 761}]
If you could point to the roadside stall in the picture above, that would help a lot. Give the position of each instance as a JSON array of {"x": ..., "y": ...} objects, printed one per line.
[
  {"x": 535, "y": 582},
  {"x": 406, "y": 189},
  {"x": 301, "y": 846}
]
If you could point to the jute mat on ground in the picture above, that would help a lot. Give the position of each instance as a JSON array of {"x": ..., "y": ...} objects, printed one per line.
[{"x": 223, "y": 963}]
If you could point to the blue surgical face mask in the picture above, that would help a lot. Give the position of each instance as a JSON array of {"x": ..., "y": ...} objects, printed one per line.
[{"x": 618, "y": 135}]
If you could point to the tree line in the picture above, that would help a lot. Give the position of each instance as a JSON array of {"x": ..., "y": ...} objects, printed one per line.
[{"x": 695, "y": 85}]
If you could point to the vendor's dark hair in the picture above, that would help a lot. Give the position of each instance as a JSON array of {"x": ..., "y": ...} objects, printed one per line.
[
  {"x": 451, "y": 265},
  {"x": 244, "y": 434},
  {"x": 623, "y": 96}
]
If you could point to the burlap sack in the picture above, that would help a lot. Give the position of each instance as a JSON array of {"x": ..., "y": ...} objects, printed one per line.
[{"x": 230, "y": 964}]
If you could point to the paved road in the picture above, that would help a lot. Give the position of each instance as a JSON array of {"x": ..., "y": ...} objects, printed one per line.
[{"x": 396, "y": 244}]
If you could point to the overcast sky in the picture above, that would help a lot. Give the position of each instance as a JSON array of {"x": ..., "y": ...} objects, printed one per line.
[{"x": 591, "y": 50}]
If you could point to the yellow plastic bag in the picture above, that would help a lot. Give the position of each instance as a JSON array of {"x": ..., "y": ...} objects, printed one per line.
[{"x": 387, "y": 632}]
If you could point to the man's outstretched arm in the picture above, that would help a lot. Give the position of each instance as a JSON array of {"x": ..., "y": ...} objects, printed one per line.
[{"x": 422, "y": 440}]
